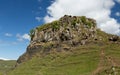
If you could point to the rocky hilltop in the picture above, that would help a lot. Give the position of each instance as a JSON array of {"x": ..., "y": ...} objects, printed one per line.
[{"x": 63, "y": 35}]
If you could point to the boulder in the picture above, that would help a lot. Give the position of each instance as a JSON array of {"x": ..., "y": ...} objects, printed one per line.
[{"x": 114, "y": 38}]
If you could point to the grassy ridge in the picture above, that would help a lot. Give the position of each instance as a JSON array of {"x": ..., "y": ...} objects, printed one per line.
[{"x": 83, "y": 60}]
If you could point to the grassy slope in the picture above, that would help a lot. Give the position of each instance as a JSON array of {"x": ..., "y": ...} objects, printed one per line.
[
  {"x": 83, "y": 60},
  {"x": 6, "y": 65},
  {"x": 112, "y": 52}
]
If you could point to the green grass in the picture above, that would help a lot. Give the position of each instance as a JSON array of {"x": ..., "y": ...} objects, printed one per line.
[
  {"x": 1, "y": 73},
  {"x": 6, "y": 65},
  {"x": 54, "y": 25},
  {"x": 82, "y": 60}
]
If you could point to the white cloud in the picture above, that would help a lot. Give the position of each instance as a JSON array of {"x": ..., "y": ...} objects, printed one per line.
[
  {"x": 118, "y": 1},
  {"x": 97, "y": 9},
  {"x": 108, "y": 26},
  {"x": 117, "y": 14},
  {"x": 38, "y": 18},
  {"x": 4, "y": 59},
  {"x": 26, "y": 36},
  {"x": 7, "y": 43},
  {"x": 19, "y": 37},
  {"x": 14, "y": 43},
  {"x": 39, "y": 0},
  {"x": 22, "y": 37},
  {"x": 8, "y": 34}
]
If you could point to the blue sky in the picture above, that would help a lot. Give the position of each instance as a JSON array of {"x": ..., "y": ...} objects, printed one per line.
[{"x": 18, "y": 17}]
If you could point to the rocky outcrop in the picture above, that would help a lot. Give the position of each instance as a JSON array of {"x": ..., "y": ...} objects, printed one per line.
[
  {"x": 66, "y": 28},
  {"x": 114, "y": 38},
  {"x": 62, "y": 35}
]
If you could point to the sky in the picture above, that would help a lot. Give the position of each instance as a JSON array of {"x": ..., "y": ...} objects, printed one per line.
[{"x": 18, "y": 17}]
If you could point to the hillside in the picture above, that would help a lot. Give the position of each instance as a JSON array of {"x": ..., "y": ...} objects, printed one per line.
[
  {"x": 6, "y": 65},
  {"x": 72, "y": 45}
]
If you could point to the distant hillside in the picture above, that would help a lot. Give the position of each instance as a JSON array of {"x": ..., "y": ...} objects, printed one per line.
[
  {"x": 6, "y": 65},
  {"x": 72, "y": 45}
]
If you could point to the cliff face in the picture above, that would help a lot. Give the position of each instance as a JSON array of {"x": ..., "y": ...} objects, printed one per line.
[{"x": 63, "y": 35}]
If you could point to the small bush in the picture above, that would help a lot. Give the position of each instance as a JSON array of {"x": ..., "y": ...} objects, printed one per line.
[
  {"x": 83, "y": 19},
  {"x": 42, "y": 27},
  {"x": 89, "y": 24},
  {"x": 55, "y": 25},
  {"x": 32, "y": 33},
  {"x": 74, "y": 21}
]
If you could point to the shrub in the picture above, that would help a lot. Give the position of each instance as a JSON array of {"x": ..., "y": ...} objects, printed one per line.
[
  {"x": 73, "y": 23},
  {"x": 89, "y": 24},
  {"x": 32, "y": 33},
  {"x": 83, "y": 19},
  {"x": 42, "y": 27},
  {"x": 55, "y": 25}
]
